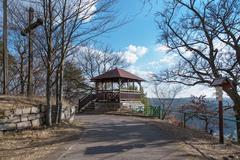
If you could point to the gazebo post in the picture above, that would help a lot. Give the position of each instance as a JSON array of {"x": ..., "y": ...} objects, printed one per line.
[
  {"x": 133, "y": 87},
  {"x": 102, "y": 86},
  {"x": 96, "y": 89},
  {"x": 119, "y": 89},
  {"x": 127, "y": 85},
  {"x": 112, "y": 86}
]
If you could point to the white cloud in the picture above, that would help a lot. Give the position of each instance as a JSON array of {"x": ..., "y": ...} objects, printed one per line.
[
  {"x": 133, "y": 53},
  {"x": 130, "y": 57},
  {"x": 161, "y": 48},
  {"x": 169, "y": 59}
]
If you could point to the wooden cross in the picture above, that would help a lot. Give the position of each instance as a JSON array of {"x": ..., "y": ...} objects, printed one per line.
[{"x": 29, "y": 30}]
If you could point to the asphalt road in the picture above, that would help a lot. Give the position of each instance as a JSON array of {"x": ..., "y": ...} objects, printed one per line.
[{"x": 108, "y": 137}]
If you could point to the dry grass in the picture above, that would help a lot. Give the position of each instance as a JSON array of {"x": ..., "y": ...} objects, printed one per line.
[
  {"x": 11, "y": 102},
  {"x": 37, "y": 144}
]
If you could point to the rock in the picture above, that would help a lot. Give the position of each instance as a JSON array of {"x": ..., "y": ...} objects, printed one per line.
[
  {"x": 35, "y": 110},
  {"x": 1, "y": 134},
  {"x": 33, "y": 116},
  {"x": 63, "y": 116},
  {"x": 4, "y": 120},
  {"x": 14, "y": 119},
  {"x": 7, "y": 126},
  {"x": 72, "y": 109},
  {"x": 231, "y": 156},
  {"x": 23, "y": 125},
  {"x": 24, "y": 118},
  {"x": 35, "y": 123},
  {"x": 43, "y": 108},
  {"x": 18, "y": 111},
  {"x": 7, "y": 113},
  {"x": 26, "y": 110},
  {"x": 71, "y": 119}
]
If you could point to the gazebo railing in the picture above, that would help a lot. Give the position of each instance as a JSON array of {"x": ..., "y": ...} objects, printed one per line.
[
  {"x": 114, "y": 96},
  {"x": 127, "y": 96}
]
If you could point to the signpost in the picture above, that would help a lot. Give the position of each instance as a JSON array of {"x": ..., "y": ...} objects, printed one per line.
[{"x": 220, "y": 84}]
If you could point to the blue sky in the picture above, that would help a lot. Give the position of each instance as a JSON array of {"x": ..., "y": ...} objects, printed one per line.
[{"x": 138, "y": 41}]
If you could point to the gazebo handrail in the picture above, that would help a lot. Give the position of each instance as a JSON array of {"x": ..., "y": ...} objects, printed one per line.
[{"x": 121, "y": 90}]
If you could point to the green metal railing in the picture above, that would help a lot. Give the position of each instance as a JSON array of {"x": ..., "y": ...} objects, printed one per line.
[{"x": 153, "y": 112}]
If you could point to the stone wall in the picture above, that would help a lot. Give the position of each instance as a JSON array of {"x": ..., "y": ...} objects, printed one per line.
[
  {"x": 29, "y": 117},
  {"x": 133, "y": 105},
  {"x": 111, "y": 106}
]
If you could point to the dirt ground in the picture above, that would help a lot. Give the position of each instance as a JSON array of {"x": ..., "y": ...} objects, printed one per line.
[{"x": 37, "y": 144}]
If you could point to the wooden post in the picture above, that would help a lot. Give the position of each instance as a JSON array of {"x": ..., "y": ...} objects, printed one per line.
[
  {"x": 221, "y": 134},
  {"x": 112, "y": 86},
  {"x": 119, "y": 90},
  {"x": 29, "y": 30},
  {"x": 133, "y": 87},
  {"x": 30, "y": 55},
  {"x": 96, "y": 87},
  {"x": 5, "y": 52}
]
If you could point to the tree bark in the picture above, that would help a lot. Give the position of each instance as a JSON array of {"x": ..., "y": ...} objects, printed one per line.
[
  {"x": 60, "y": 92},
  {"x": 233, "y": 94},
  {"x": 22, "y": 74},
  {"x": 5, "y": 52},
  {"x": 48, "y": 96},
  {"x": 30, "y": 56},
  {"x": 57, "y": 97},
  {"x": 49, "y": 64}
]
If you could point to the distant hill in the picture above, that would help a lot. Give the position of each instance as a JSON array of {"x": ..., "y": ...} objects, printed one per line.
[{"x": 212, "y": 102}]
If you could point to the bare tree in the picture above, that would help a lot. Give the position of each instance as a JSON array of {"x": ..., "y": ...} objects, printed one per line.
[
  {"x": 95, "y": 61},
  {"x": 199, "y": 109},
  {"x": 166, "y": 97},
  {"x": 5, "y": 50},
  {"x": 67, "y": 24},
  {"x": 200, "y": 42}
]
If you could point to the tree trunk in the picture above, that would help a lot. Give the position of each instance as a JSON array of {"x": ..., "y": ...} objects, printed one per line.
[
  {"x": 233, "y": 94},
  {"x": 57, "y": 96},
  {"x": 5, "y": 52},
  {"x": 60, "y": 92},
  {"x": 48, "y": 95},
  {"x": 22, "y": 74},
  {"x": 238, "y": 121}
]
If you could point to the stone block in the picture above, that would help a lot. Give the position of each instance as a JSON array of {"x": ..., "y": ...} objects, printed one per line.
[
  {"x": 18, "y": 111},
  {"x": 72, "y": 109},
  {"x": 24, "y": 118},
  {"x": 63, "y": 116},
  {"x": 3, "y": 120},
  {"x": 71, "y": 119},
  {"x": 26, "y": 110},
  {"x": 23, "y": 125},
  {"x": 7, "y": 113},
  {"x": 43, "y": 108},
  {"x": 14, "y": 119},
  {"x": 34, "y": 116},
  {"x": 42, "y": 121},
  {"x": 35, "y": 110},
  {"x": 35, "y": 123},
  {"x": 7, "y": 126}
]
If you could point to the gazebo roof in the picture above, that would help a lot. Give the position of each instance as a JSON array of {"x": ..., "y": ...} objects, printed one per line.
[{"x": 115, "y": 74}]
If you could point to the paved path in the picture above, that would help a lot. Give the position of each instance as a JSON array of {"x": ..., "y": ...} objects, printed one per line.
[{"x": 108, "y": 137}]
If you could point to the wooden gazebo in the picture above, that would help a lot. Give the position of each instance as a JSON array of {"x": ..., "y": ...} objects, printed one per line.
[{"x": 117, "y": 85}]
